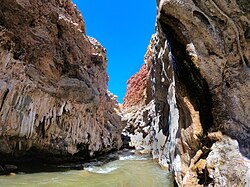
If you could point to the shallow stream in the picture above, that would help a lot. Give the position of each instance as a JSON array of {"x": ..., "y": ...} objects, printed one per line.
[{"x": 123, "y": 169}]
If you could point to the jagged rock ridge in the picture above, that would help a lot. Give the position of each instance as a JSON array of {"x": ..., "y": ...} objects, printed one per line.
[
  {"x": 199, "y": 82},
  {"x": 53, "y": 84}
]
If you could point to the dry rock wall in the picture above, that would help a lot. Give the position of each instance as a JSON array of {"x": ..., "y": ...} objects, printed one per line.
[
  {"x": 53, "y": 84},
  {"x": 197, "y": 117},
  {"x": 134, "y": 108}
]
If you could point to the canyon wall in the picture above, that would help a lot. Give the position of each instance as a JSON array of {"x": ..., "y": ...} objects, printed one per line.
[
  {"x": 53, "y": 84},
  {"x": 196, "y": 120}
]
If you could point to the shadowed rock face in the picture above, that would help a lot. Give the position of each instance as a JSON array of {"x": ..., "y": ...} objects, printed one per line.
[
  {"x": 53, "y": 83},
  {"x": 223, "y": 58},
  {"x": 200, "y": 77}
]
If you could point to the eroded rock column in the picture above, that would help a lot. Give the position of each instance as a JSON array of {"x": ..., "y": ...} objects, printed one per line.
[{"x": 53, "y": 84}]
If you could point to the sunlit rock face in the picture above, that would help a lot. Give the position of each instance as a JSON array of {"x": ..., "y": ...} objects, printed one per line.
[
  {"x": 199, "y": 82},
  {"x": 226, "y": 165},
  {"x": 138, "y": 92},
  {"x": 136, "y": 107},
  {"x": 53, "y": 84}
]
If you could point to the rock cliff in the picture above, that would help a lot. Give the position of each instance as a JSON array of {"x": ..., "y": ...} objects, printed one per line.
[
  {"x": 53, "y": 84},
  {"x": 199, "y": 82}
]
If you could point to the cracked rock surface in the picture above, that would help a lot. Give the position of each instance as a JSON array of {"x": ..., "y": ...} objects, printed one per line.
[
  {"x": 197, "y": 92},
  {"x": 53, "y": 84}
]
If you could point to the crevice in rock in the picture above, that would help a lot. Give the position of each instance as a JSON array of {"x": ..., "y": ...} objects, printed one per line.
[
  {"x": 59, "y": 31},
  {"x": 186, "y": 71},
  {"x": 164, "y": 120},
  {"x": 202, "y": 18},
  {"x": 41, "y": 127},
  {"x": 204, "y": 178},
  {"x": 18, "y": 51},
  {"x": 247, "y": 33},
  {"x": 4, "y": 98},
  {"x": 83, "y": 150}
]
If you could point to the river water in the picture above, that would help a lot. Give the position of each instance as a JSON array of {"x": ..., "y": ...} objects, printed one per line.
[{"x": 121, "y": 169}]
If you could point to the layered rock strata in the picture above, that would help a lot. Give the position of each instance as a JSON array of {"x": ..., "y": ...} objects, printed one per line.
[
  {"x": 53, "y": 84},
  {"x": 200, "y": 79}
]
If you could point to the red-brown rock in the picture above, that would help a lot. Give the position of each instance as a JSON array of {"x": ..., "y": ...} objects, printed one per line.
[{"x": 137, "y": 85}]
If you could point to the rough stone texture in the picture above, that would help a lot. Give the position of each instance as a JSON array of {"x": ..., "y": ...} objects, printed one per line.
[
  {"x": 226, "y": 165},
  {"x": 53, "y": 83},
  {"x": 136, "y": 86},
  {"x": 137, "y": 92},
  {"x": 138, "y": 126},
  {"x": 136, "y": 106},
  {"x": 200, "y": 82}
]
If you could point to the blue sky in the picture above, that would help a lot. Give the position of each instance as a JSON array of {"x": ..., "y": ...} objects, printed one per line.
[{"x": 124, "y": 28}]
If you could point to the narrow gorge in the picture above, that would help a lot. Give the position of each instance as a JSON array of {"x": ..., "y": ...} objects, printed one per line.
[{"x": 188, "y": 106}]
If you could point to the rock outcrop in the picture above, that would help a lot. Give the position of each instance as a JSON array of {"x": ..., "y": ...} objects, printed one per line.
[
  {"x": 138, "y": 92},
  {"x": 53, "y": 84},
  {"x": 226, "y": 165},
  {"x": 134, "y": 107},
  {"x": 199, "y": 85}
]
